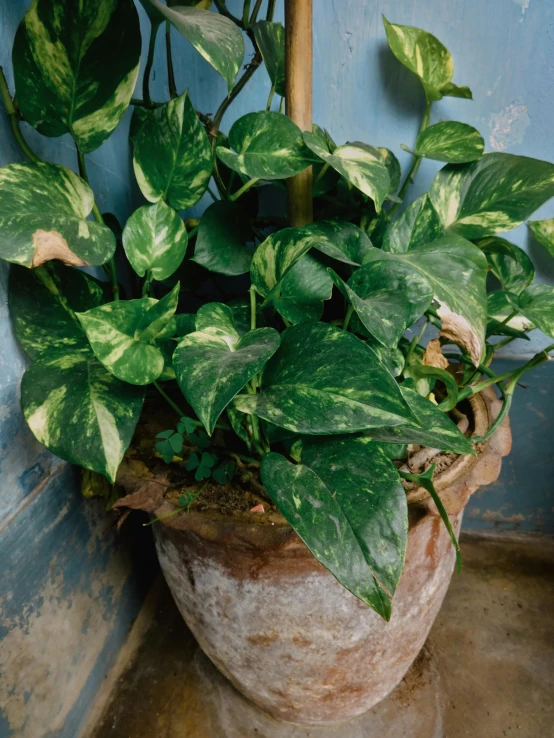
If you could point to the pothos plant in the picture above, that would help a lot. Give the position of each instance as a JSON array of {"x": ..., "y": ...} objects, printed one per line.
[{"x": 290, "y": 341}]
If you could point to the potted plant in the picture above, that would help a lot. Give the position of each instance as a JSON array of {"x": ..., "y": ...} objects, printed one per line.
[{"x": 299, "y": 404}]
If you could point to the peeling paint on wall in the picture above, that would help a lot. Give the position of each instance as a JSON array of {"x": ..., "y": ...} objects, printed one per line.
[
  {"x": 523, "y": 4},
  {"x": 64, "y": 572},
  {"x": 508, "y": 127}
]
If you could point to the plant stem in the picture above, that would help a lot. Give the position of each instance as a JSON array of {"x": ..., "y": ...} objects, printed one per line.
[
  {"x": 321, "y": 172},
  {"x": 256, "y": 435},
  {"x": 253, "y": 308},
  {"x": 170, "y": 71},
  {"x": 193, "y": 231},
  {"x": 181, "y": 413},
  {"x": 270, "y": 98},
  {"x": 243, "y": 189},
  {"x": 347, "y": 317},
  {"x": 237, "y": 89},
  {"x": 147, "y": 284},
  {"x": 254, "y": 16},
  {"x": 14, "y": 120},
  {"x": 221, "y": 8},
  {"x": 246, "y": 14},
  {"x": 154, "y": 28},
  {"x": 416, "y": 161},
  {"x": 99, "y": 219},
  {"x": 270, "y": 10},
  {"x": 212, "y": 194}
]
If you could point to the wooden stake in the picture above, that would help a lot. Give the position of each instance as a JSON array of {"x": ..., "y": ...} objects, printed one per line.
[{"x": 298, "y": 89}]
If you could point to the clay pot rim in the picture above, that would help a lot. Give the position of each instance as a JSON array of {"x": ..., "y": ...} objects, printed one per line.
[{"x": 147, "y": 493}]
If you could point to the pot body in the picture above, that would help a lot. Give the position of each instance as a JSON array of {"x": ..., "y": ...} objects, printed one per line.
[
  {"x": 289, "y": 636},
  {"x": 277, "y": 623}
]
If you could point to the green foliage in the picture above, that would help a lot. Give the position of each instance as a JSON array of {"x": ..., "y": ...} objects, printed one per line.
[
  {"x": 233, "y": 316},
  {"x": 75, "y": 67}
]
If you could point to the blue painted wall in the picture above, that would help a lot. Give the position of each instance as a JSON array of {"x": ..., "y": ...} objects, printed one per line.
[{"x": 67, "y": 594}]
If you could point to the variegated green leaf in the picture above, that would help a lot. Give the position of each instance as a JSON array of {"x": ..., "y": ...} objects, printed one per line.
[
  {"x": 361, "y": 167},
  {"x": 456, "y": 271},
  {"x": 120, "y": 334},
  {"x": 76, "y": 65},
  {"x": 509, "y": 264},
  {"x": 265, "y": 145},
  {"x": 500, "y": 305},
  {"x": 43, "y": 303},
  {"x": 157, "y": 320},
  {"x": 450, "y": 141},
  {"x": 418, "y": 224},
  {"x": 222, "y": 237},
  {"x": 172, "y": 157},
  {"x": 302, "y": 291},
  {"x": 282, "y": 250},
  {"x": 424, "y": 55},
  {"x": 536, "y": 303},
  {"x": 219, "y": 320},
  {"x": 386, "y": 157},
  {"x": 214, "y": 363},
  {"x": 496, "y": 193},
  {"x": 367, "y": 487},
  {"x": 388, "y": 296},
  {"x": 79, "y": 411},
  {"x": 215, "y": 37},
  {"x": 436, "y": 431},
  {"x": 43, "y": 210},
  {"x": 324, "y": 178},
  {"x": 346, "y": 502},
  {"x": 270, "y": 38},
  {"x": 155, "y": 239},
  {"x": 325, "y": 381},
  {"x": 543, "y": 231}
]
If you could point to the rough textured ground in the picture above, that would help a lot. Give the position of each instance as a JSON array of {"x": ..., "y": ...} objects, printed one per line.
[{"x": 486, "y": 671}]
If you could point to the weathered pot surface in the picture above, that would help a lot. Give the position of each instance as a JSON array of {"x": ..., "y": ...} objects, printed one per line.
[{"x": 282, "y": 629}]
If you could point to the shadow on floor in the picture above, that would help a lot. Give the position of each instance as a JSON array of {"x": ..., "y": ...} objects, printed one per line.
[{"x": 486, "y": 670}]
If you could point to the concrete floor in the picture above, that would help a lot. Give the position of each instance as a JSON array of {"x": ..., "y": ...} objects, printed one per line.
[{"x": 486, "y": 671}]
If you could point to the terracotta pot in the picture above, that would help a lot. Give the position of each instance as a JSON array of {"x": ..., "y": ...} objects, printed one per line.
[{"x": 283, "y": 630}]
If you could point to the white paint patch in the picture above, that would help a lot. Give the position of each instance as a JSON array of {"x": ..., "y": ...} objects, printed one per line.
[
  {"x": 523, "y": 4},
  {"x": 508, "y": 127}
]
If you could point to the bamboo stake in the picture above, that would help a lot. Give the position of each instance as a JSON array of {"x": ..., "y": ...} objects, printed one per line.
[{"x": 298, "y": 89}]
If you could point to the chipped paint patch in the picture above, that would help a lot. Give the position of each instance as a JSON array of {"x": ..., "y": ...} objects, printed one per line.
[
  {"x": 524, "y": 5},
  {"x": 508, "y": 127}
]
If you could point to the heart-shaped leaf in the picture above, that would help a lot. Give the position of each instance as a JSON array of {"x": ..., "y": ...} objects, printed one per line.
[
  {"x": 155, "y": 239},
  {"x": 436, "y": 431},
  {"x": 213, "y": 364},
  {"x": 215, "y": 37},
  {"x": 79, "y": 411},
  {"x": 361, "y": 167},
  {"x": 43, "y": 304},
  {"x": 536, "y": 303},
  {"x": 325, "y": 381},
  {"x": 43, "y": 211},
  {"x": 509, "y": 264},
  {"x": 302, "y": 291},
  {"x": 543, "y": 231},
  {"x": 346, "y": 502},
  {"x": 120, "y": 334},
  {"x": 282, "y": 250},
  {"x": 424, "y": 55},
  {"x": 456, "y": 271},
  {"x": 172, "y": 157},
  {"x": 75, "y": 67},
  {"x": 388, "y": 297},
  {"x": 222, "y": 236},
  {"x": 386, "y": 157},
  {"x": 496, "y": 193},
  {"x": 450, "y": 141},
  {"x": 418, "y": 224},
  {"x": 270, "y": 38},
  {"x": 266, "y": 146}
]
